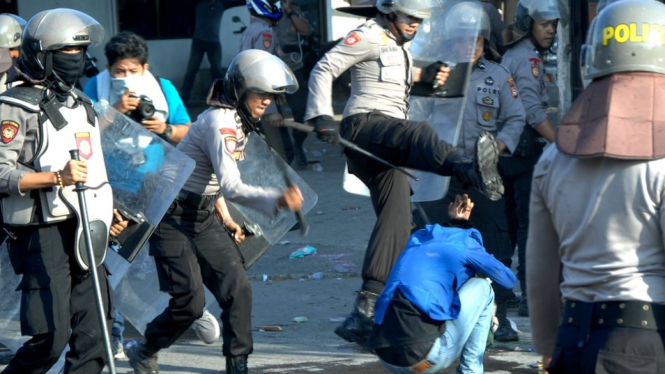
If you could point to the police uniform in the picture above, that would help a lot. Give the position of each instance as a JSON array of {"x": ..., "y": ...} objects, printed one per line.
[
  {"x": 190, "y": 246},
  {"x": 493, "y": 105},
  {"x": 57, "y": 289},
  {"x": 294, "y": 51},
  {"x": 260, "y": 35},
  {"x": 526, "y": 66},
  {"x": 375, "y": 118}
]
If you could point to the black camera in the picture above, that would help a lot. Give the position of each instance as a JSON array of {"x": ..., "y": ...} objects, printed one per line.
[{"x": 145, "y": 109}]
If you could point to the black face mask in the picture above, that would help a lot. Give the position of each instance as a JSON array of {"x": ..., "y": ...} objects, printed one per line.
[{"x": 68, "y": 66}]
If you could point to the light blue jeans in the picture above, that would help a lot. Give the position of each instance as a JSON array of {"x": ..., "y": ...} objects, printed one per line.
[{"x": 466, "y": 336}]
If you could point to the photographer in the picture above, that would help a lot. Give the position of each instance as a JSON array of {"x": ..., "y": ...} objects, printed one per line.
[{"x": 131, "y": 89}]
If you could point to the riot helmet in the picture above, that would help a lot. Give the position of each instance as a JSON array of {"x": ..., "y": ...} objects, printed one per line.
[
  {"x": 257, "y": 71},
  {"x": 50, "y": 31},
  {"x": 11, "y": 29},
  {"x": 463, "y": 24},
  {"x": 529, "y": 10},
  {"x": 626, "y": 36},
  {"x": 271, "y": 9}
]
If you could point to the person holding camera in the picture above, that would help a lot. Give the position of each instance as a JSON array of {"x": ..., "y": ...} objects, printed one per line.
[{"x": 129, "y": 87}]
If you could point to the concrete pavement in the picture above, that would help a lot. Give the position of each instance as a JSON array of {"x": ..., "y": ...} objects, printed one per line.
[{"x": 340, "y": 227}]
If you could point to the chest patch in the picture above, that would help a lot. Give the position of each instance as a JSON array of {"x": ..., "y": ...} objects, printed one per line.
[
  {"x": 489, "y": 81},
  {"x": 352, "y": 38},
  {"x": 488, "y": 100},
  {"x": 83, "y": 144},
  {"x": 9, "y": 131}
]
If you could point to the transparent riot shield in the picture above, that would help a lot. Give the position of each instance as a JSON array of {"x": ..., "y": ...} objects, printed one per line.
[
  {"x": 146, "y": 173},
  {"x": 447, "y": 38},
  {"x": 138, "y": 297}
]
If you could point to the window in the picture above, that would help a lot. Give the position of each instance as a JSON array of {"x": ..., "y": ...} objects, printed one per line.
[{"x": 161, "y": 19}]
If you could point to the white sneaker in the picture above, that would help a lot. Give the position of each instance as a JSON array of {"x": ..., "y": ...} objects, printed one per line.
[
  {"x": 206, "y": 328},
  {"x": 118, "y": 351}
]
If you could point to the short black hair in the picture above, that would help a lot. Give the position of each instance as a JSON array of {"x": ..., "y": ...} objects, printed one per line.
[{"x": 126, "y": 45}]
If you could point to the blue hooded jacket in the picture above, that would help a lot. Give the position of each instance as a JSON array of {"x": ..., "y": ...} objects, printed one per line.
[{"x": 435, "y": 264}]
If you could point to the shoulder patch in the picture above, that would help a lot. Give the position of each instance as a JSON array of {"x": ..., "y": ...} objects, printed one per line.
[
  {"x": 352, "y": 39},
  {"x": 225, "y": 131},
  {"x": 535, "y": 66},
  {"x": 9, "y": 130},
  {"x": 267, "y": 40},
  {"x": 513, "y": 87}
]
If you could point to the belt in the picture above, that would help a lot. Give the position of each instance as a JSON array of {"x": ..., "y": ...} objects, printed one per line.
[
  {"x": 193, "y": 200},
  {"x": 635, "y": 314}
]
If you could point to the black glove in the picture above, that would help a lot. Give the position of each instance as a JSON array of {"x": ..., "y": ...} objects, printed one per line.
[
  {"x": 429, "y": 72},
  {"x": 326, "y": 128}
]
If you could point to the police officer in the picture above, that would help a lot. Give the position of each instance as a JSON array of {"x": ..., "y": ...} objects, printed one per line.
[
  {"x": 190, "y": 246},
  {"x": 596, "y": 234},
  {"x": 492, "y": 104},
  {"x": 375, "y": 118},
  {"x": 11, "y": 28},
  {"x": 260, "y": 35},
  {"x": 42, "y": 120},
  {"x": 536, "y": 21},
  {"x": 291, "y": 32}
]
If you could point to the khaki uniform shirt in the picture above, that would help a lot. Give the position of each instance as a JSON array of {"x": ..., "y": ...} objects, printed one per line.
[
  {"x": 381, "y": 75},
  {"x": 526, "y": 66},
  {"x": 603, "y": 220}
]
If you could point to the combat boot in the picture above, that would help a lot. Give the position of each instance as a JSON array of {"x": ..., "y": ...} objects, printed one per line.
[
  {"x": 505, "y": 332},
  {"x": 357, "y": 327},
  {"x": 236, "y": 365},
  {"x": 142, "y": 360},
  {"x": 482, "y": 172}
]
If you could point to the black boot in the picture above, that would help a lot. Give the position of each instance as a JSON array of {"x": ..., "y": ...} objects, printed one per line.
[
  {"x": 505, "y": 332},
  {"x": 357, "y": 327},
  {"x": 301, "y": 158},
  {"x": 480, "y": 173},
  {"x": 236, "y": 365},
  {"x": 142, "y": 360}
]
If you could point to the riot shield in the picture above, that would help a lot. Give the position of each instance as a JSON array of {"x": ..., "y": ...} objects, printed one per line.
[
  {"x": 146, "y": 173},
  {"x": 138, "y": 297},
  {"x": 448, "y": 37}
]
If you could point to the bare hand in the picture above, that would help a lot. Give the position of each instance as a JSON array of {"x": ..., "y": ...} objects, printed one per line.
[
  {"x": 501, "y": 145},
  {"x": 442, "y": 75},
  {"x": 291, "y": 199},
  {"x": 74, "y": 171},
  {"x": 236, "y": 231},
  {"x": 275, "y": 119},
  {"x": 155, "y": 125},
  {"x": 126, "y": 103},
  {"x": 460, "y": 208},
  {"x": 119, "y": 223}
]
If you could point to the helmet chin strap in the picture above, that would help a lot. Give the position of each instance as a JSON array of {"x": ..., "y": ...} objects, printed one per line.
[
  {"x": 248, "y": 122},
  {"x": 402, "y": 38}
]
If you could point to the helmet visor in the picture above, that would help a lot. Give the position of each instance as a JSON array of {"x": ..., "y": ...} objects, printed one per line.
[
  {"x": 270, "y": 75},
  {"x": 59, "y": 28}
]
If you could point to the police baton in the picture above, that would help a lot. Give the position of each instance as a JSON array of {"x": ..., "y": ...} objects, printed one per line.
[
  {"x": 348, "y": 144},
  {"x": 92, "y": 263}
]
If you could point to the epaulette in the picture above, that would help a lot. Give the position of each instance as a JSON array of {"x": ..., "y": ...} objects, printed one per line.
[{"x": 25, "y": 97}]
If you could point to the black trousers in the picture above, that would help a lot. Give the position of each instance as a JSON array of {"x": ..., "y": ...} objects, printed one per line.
[
  {"x": 199, "y": 48},
  {"x": 56, "y": 296},
  {"x": 517, "y": 197},
  {"x": 615, "y": 350},
  {"x": 192, "y": 249},
  {"x": 403, "y": 143}
]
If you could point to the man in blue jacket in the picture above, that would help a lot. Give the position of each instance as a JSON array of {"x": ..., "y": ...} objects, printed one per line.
[{"x": 433, "y": 309}]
